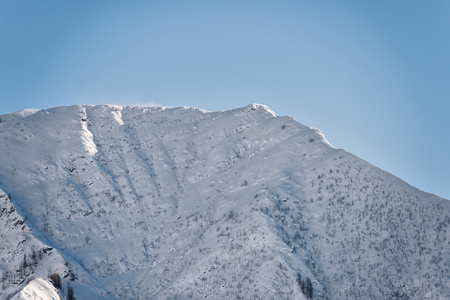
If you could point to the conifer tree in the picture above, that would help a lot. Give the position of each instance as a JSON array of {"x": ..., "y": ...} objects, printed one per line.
[{"x": 70, "y": 294}]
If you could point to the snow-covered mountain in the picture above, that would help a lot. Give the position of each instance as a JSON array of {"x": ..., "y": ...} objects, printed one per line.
[{"x": 181, "y": 203}]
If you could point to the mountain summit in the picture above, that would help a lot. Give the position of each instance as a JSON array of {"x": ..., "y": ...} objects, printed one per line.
[{"x": 181, "y": 203}]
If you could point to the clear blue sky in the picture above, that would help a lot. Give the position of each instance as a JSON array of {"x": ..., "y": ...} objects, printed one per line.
[{"x": 374, "y": 76}]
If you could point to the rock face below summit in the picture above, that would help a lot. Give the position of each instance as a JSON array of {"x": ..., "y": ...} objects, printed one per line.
[{"x": 180, "y": 203}]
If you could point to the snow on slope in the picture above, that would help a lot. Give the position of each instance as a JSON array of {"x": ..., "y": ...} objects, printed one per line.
[
  {"x": 38, "y": 289},
  {"x": 22, "y": 255},
  {"x": 167, "y": 203}
]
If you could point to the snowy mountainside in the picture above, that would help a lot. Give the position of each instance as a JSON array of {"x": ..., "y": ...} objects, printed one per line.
[
  {"x": 22, "y": 256},
  {"x": 176, "y": 203},
  {"x": 38, "y": 289}
]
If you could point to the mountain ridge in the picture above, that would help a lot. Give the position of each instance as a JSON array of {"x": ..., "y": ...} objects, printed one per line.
[{"x": 159, "y": 203}]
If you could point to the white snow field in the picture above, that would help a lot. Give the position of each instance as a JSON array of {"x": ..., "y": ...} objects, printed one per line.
[
  {"x": 38, "y": 289},
  {"x": 181, "y": 203}
]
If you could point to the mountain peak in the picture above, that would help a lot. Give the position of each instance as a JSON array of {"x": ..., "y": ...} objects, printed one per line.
[
  {"x": 166, "y": 203},
  {"x": 259, "y": 107}
]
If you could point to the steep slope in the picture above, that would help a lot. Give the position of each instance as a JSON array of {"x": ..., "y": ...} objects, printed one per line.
[
  {"x": 158, "y": 203},
  {"x": 22, "y": 255},
  {"x": 38, "y": 289}
]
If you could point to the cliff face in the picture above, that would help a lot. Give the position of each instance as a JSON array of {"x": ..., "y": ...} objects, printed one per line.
[{"x": 159, "y": 203}]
